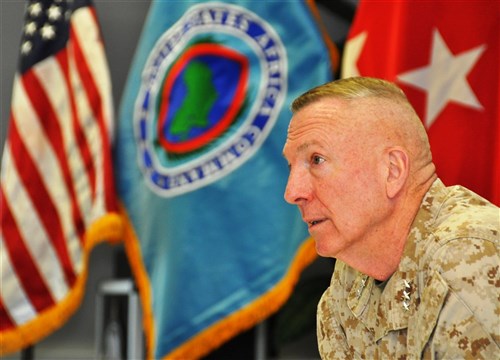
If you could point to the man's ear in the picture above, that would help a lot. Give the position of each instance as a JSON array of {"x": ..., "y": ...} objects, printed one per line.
[{"x": 398, "y": 170}]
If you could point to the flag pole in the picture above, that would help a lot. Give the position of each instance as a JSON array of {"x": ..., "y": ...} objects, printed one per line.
[
  {"x": 261, "y": 341},
  {"x": 28, "y": 353}
]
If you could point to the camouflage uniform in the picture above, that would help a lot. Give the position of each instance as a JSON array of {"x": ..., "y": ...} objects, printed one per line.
[{"x": 441, "y": 303}]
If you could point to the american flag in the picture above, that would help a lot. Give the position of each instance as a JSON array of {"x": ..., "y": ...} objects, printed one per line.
[{"x": 57, "y": 195}]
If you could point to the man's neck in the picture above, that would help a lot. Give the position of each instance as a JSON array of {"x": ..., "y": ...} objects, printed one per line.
[{"x": 380, "y": 253}]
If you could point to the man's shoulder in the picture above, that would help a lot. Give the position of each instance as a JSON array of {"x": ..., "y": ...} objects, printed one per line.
[
  {"x": 464, "y": 234},
  {"x": 459, "y": 213},
  {"x": 461, "y": 242}
]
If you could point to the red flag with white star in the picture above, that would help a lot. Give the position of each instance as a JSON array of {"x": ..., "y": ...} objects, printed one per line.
[{"x": 445, "y": 56}]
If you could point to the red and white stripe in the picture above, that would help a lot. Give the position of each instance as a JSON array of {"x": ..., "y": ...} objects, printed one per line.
[{"x": 56, "y": 176}]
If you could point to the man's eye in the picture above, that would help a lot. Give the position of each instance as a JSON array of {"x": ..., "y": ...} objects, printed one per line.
[{"x": 316, "y": 159}]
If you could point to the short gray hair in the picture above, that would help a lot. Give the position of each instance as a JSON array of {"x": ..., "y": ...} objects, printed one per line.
[{"x": 350, "y": 89}]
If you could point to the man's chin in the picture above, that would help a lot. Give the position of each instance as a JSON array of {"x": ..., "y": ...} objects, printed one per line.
[{"x": 323, "y": 250}]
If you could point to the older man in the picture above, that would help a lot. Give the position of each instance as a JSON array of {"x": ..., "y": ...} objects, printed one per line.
[{"x": 417, "y": 270}]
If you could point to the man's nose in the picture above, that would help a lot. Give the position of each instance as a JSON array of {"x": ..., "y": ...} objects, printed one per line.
[{"x": 296, "y": 189}]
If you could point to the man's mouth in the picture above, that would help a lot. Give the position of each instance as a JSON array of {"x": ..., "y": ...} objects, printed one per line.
[{"x": 315, "y": 222}]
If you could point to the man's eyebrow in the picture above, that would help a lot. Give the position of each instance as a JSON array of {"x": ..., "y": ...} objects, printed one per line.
[
  {"x": 302, "y": 147},
  {"x": 305, "y": 146}
]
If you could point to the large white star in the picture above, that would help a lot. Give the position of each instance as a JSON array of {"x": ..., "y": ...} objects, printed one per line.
[
  {"x": 352, "y": 51},
  {"x": 445, "y": 78}
]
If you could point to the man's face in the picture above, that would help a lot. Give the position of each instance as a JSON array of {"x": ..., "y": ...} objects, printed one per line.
[{"x": 335, "y": 175}]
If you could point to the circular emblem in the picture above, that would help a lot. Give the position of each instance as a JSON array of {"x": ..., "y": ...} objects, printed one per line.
[{"x": 211, "y": 91}]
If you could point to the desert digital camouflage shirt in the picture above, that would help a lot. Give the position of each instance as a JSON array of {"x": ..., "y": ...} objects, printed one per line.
[{"x": 441, "y": 303}]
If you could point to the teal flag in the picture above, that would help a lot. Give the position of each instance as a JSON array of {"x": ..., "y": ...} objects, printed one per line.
[{"x": 198, "y": 160}]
